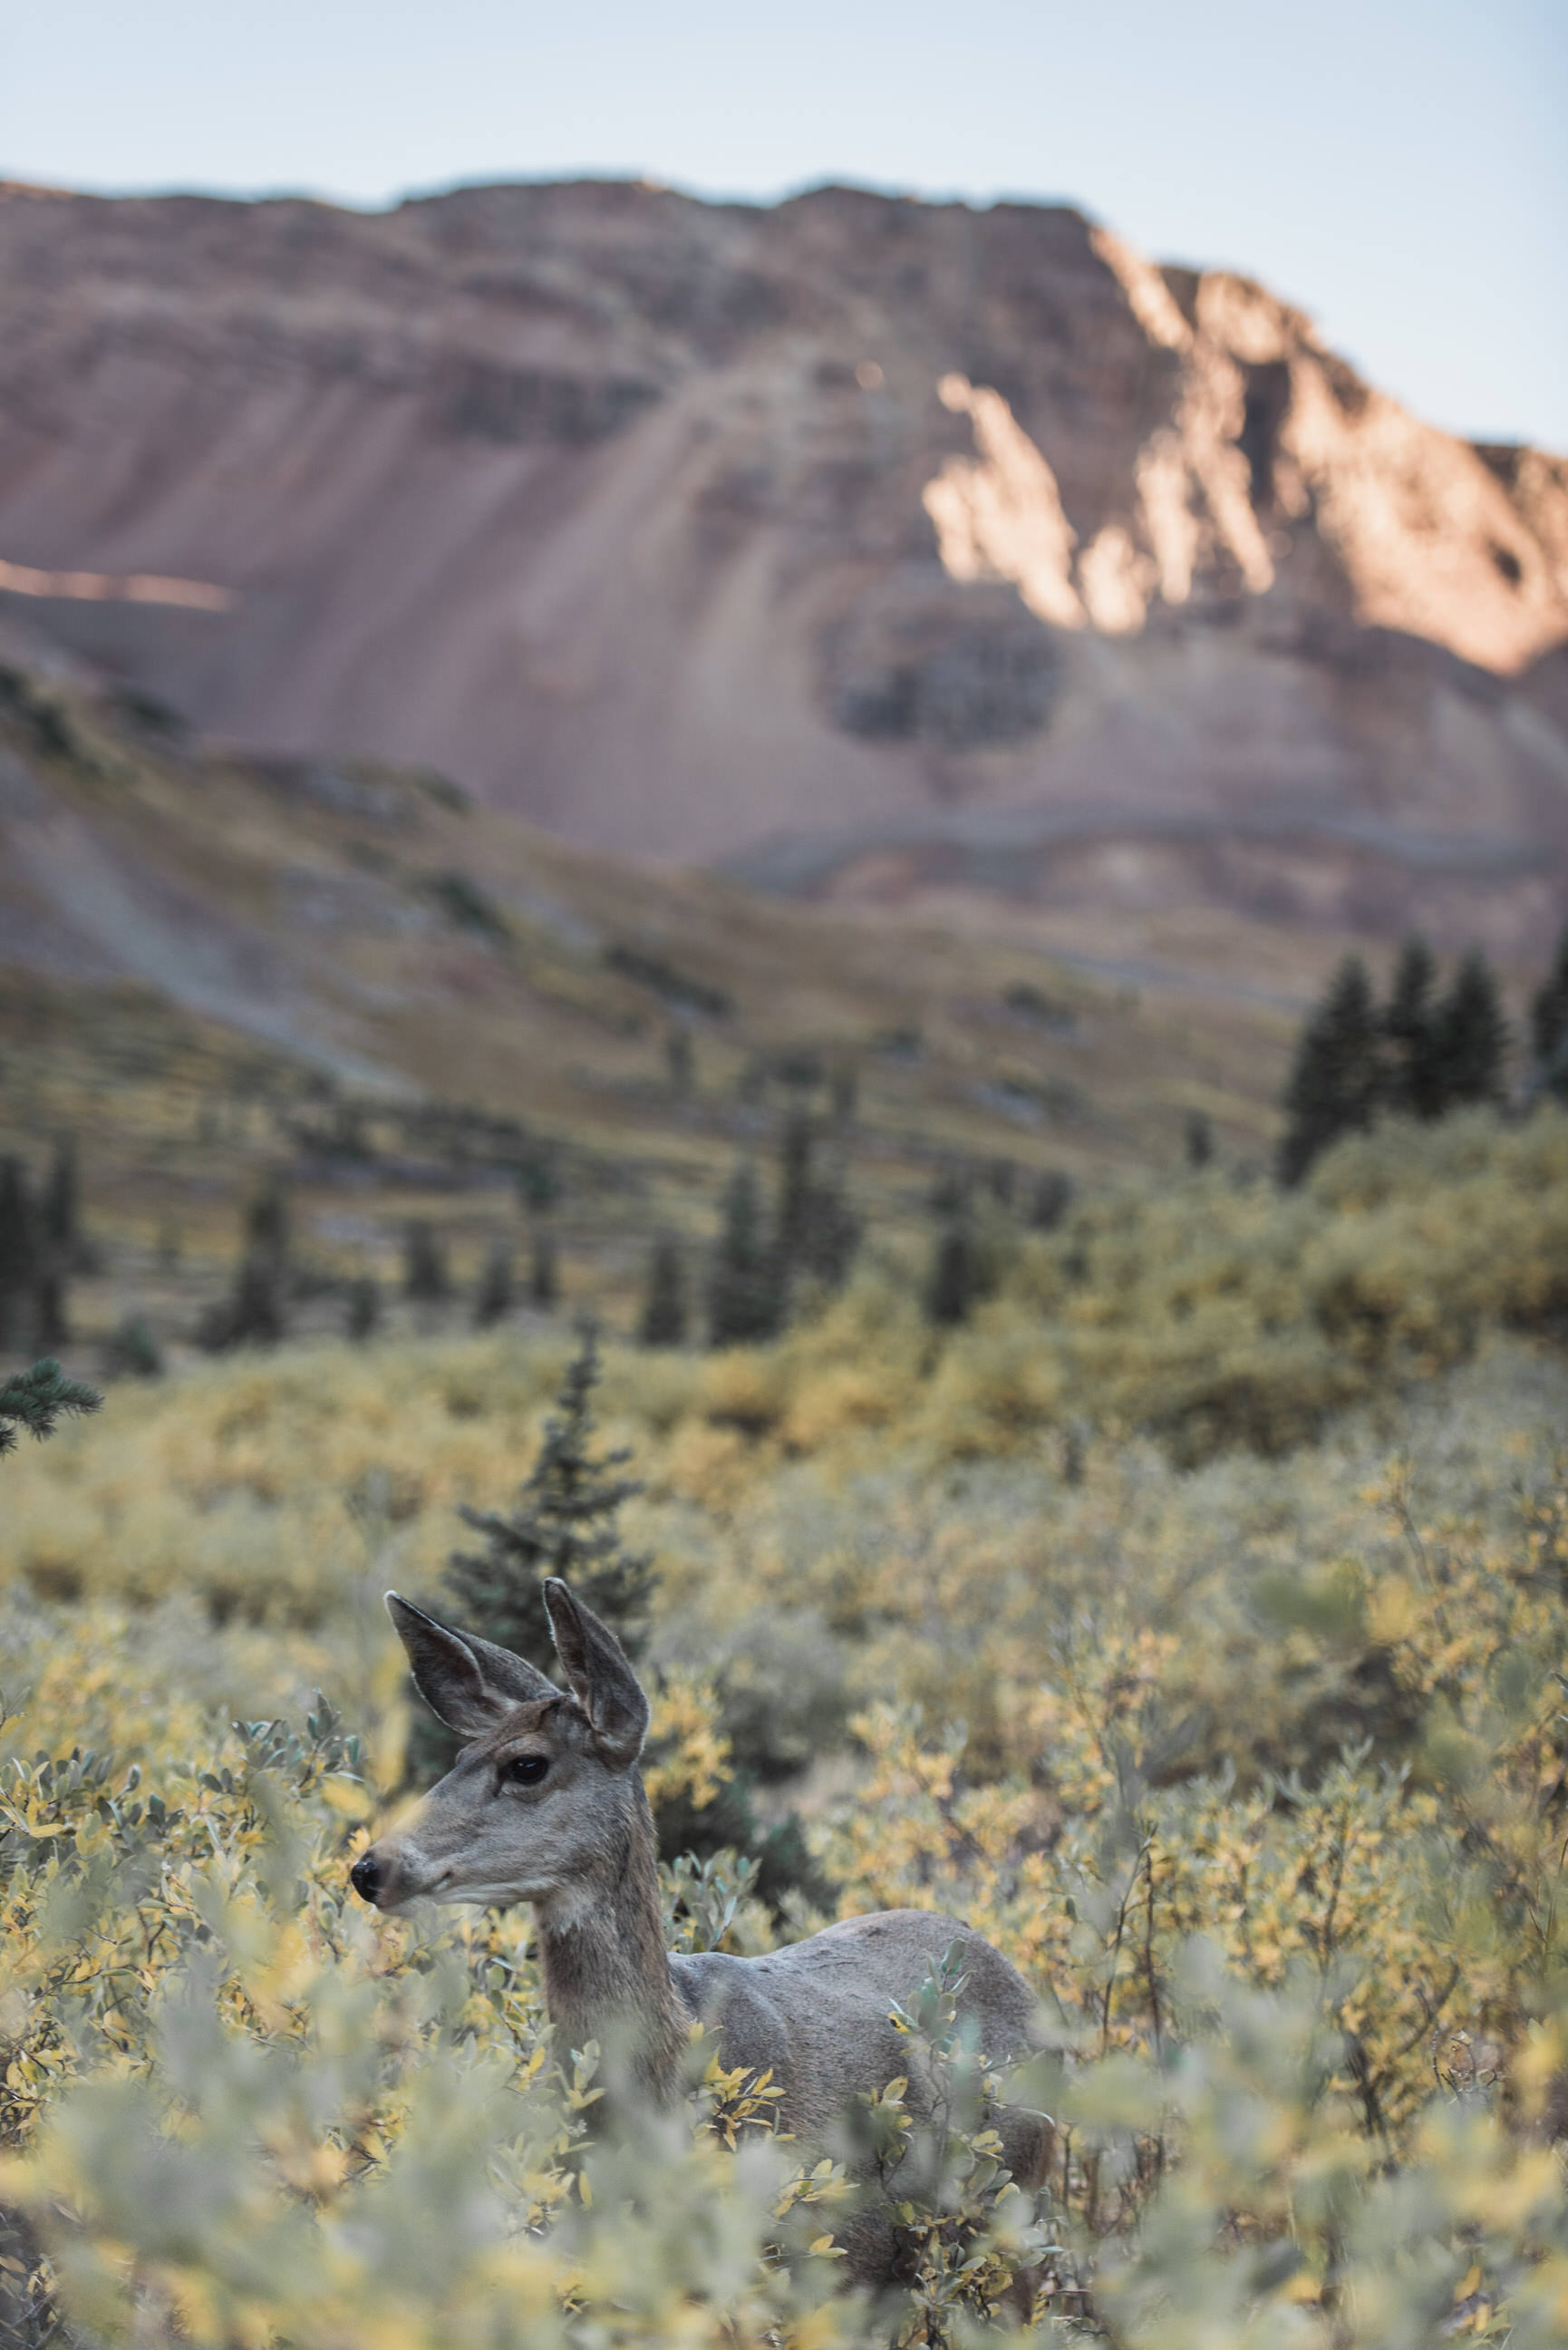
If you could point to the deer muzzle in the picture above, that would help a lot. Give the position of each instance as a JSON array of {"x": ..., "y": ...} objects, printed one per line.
[
  {"x": 365, "y": 1876},
  {"x": 391, "y": 1873}
]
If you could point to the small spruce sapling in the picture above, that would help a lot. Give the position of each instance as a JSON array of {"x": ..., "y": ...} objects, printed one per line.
[{"x": 564, "y": 1522}]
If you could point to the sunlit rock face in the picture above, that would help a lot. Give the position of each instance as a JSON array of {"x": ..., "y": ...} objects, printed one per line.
[{"x": 789, "y": 536}]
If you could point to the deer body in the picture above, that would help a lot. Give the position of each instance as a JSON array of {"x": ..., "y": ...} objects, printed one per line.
[{"x": 546, "y": 1806}]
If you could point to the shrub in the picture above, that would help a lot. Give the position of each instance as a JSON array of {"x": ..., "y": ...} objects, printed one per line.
[{"x": 132, "y": 1351}]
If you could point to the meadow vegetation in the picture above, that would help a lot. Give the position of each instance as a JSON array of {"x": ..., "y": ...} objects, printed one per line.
[{"x": 1190, "y": 1617}]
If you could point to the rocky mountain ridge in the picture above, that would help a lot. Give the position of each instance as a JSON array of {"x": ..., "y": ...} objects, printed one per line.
[{"x": 868, "y": 547}]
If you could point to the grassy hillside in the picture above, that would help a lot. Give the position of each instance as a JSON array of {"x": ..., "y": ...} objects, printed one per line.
[{"x": 211, "y": 968}]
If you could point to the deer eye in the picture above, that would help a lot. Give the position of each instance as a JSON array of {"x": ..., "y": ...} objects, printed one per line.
[{"x": 525, "y": 1770}]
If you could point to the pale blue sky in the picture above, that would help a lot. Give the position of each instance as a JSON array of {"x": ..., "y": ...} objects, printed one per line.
[{"x": 1398, "y": 167}]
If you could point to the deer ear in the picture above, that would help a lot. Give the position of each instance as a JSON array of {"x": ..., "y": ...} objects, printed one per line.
[
  {"x": 468, "y": 1683},
  {"x": 602, "y": 1679}
]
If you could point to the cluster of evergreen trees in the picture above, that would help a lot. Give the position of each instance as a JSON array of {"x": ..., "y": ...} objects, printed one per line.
[
  {"x": 813, "y": 1235},
  {"x": 42, "y": 1245},
  {"x": 1425, "y": 1051},
  {"x": 270, "y": 1277},
  {"x": 977, "y": 1213},
  {"x": 760, "y": 1258}
]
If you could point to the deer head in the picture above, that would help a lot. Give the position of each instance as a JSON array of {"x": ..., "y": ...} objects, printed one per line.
[{"x": 542, "y": 1804}]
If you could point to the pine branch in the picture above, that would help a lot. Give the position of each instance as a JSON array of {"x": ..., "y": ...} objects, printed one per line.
[{"x": 39, "y": 1398}]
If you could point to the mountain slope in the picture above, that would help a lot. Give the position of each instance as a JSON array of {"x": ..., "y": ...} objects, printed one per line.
[
  {"x": 212, "y": 964},
  {"x": 968, "y": 544}
]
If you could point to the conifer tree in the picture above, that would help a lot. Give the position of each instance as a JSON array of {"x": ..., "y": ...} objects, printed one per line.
[
  {"x": 832, "y": 1233},
  {"x": 49, "y": 1325},
  {"x": 1198, "y": 1138},
  {"x": 797, "y": 1147},
  {"x": 1471, "y": 1036},
  {"x": 60, "y": 1213},
  {"x": 818, "y": 1231},
  {"x": 681, "y": 1062},
  {"x": 1549, "y": 1024},
  {"x": 18, "y": 1256},
  {"x": 664, "y": 1309},
  {"x": 269, "y": 1226},
  {"x": 363, "y": 1316},
  {"x": 565, "y": 1521},
  {"x": 544, "y": 1271},
  {"x": 496, "y": 1291},
  {"x": 425, "y": 1264},
  {"x": 254, "y": 1313},
  {"x": 1336, "y": 1083},
  {"x": 954, "y": 1284},
  {"x": 1414, "y": 1077},
  {"x": 745, "y": 1298},
  {"x": 1051, "y": 1198}
]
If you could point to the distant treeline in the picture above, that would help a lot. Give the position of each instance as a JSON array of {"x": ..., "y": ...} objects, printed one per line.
[{"x": 1425, "y": 1051}]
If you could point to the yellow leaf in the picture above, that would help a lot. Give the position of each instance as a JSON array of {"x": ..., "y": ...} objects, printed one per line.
[{"x": 347, "y": 1798}]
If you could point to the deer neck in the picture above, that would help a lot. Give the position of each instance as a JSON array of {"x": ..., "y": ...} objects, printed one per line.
[{"x": 607, "y": 1973}]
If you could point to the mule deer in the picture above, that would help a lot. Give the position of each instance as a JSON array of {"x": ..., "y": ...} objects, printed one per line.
[{"x": 546, "y": 1805}]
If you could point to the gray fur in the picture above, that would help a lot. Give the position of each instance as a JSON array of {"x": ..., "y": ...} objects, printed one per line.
[{"x": 580, "y": 1847}]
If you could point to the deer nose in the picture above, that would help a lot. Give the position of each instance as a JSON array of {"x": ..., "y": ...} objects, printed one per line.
[{"x": 365, "y": 1876}]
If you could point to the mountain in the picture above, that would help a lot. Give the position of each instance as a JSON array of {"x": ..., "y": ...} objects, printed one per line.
[{"x": 868, "y": 548}]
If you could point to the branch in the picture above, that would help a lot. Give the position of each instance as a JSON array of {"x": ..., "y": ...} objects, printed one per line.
[{"x": 37, "y": 1399}]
